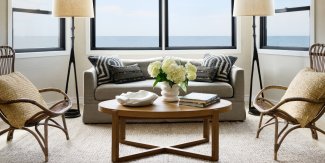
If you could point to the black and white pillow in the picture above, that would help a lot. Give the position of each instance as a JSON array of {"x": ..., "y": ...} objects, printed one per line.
[
  {"x": 222, "y": 63},
  {"x": 101, "y": 64},
  {"x": 126, "y": 74},
  {"x": 205, "y": 74}
]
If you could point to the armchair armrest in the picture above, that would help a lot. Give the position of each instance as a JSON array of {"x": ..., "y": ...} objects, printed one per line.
[
  {"x": 237, "y": 82},
  {"x": 260, "y": 102},
  {"x": 65, "y": 100},
  {"x": 274, "y": 107},
  {"x": 23, "y": 100},
  {"x": 54, "y": 90},
  {"x": 90, "y": 85},
  {"x": 48, "y": 111}
]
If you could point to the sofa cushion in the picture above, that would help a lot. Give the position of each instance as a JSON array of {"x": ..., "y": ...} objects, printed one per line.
[
  {"x": 101, "y": 64},
  {"x": 222, "y": 63},
  {"x": 143, "y": 64},
  {"x": 109, "y": 91},
  {"x": 306, "y": 84},
  {"x": 126, "y": 74}
]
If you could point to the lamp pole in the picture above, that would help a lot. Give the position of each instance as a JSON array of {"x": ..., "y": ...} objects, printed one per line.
[
  {"x": 252, "y": 109},
  {"x": 72, "y": 113}
]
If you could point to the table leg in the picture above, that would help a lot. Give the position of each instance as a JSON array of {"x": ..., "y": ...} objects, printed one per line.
[
  {"x": 122, "y": 129},
  {"x": 206, "y": 133},
  {"x": 115, "y": 137},
  {"x": 215, "y": 136}
]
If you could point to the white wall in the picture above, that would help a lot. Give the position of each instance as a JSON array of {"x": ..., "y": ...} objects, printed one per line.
[
  {"x": 320, "y": 21},
  {"x": 3, "y": 25}
]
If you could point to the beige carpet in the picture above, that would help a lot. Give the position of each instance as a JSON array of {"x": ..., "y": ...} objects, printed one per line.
[{"x": 91, "y": 143}]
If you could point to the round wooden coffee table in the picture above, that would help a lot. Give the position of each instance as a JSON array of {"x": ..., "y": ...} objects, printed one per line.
[{"x": 164, "y": 110}]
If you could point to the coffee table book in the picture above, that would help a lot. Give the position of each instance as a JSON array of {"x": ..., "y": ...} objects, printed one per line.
[
  {"x": 199, "y": 99},
  {"x": 200, "y": 105}
]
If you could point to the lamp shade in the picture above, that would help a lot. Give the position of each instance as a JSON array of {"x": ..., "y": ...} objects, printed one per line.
[
  {"x": 73, "y": 8},
  {"x": 254, "y": 8}
]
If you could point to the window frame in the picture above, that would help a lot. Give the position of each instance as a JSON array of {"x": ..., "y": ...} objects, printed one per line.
[
  {"x": 233, "y": 34},
  {"x": 93, "y": 34},
  {"x": 62, "y": 42},
  {"x": 263, "y": 30},
  {"x": 163, "y": 33}
]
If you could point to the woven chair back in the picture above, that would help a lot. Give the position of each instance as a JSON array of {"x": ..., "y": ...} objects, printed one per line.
[
  {"x": 317, "y": 57},
  {"x": 7, "y": 60}
]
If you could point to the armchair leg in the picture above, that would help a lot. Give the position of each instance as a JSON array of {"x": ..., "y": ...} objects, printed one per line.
[
  {"x": 276, "y": 136},
  {"x": 40, "y": 141},
  {"x": 314, "y": 133},
  {"x": 278, "y": 143},
  {"x": 65, "y": 127},
  {"x": 4, "y": 131},
  {"x": 10, "y": 135},
  {"x": 46, "y": 146},
  {"x": 259, "y": 125}
]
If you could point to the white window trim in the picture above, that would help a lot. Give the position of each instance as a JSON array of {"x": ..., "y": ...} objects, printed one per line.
[
  {"x": 163, "y": 52},
  {"x": 295, "y": 53},
  {"x": 42, "y": 53}
]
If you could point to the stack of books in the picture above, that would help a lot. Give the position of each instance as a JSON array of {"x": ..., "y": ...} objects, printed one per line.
[{"x": 199, "y": 99}]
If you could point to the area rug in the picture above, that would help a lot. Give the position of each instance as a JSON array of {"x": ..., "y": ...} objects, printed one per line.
[{"x": 92, "y": 143}]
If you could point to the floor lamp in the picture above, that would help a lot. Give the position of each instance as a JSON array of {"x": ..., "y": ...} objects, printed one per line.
[
  {"x": 254, "y": 8},
  {"x": 73, "y": 8}
]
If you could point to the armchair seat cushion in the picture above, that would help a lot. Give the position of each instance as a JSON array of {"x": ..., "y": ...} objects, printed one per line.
[
  {"x": 307, "y": 84},
  {"x": 109, "y": 91},
  {"x": 16, "y": 86}
]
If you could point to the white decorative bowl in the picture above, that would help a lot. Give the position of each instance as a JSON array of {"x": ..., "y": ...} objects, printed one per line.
[{"x": 140, "y": 98}]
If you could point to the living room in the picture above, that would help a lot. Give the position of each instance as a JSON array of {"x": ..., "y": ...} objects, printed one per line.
[{"x": 139, "y": 32}]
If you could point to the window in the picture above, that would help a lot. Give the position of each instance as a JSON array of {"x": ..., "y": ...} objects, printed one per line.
[
  {"x": 126, "y": 24},
  {"x": 138, "y": 24},
  {"x": 193, "y": 24},
  {"x": 34, "y": 27},
  {"x": 289, "y": 29}
]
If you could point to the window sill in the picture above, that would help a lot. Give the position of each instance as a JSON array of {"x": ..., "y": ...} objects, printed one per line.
[
  {"x": 159, "y": 53},
  {"x": 293, "y": 53},
  {"x": 41, "y": 54}
]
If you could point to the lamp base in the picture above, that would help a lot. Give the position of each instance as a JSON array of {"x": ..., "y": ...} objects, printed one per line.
[
  {"x": 72, "y": 113},
  {"x": 253, "y": 111}
]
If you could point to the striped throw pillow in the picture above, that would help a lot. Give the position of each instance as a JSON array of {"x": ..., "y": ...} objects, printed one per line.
[
  {"x": 222, "y": 63},
  {"x": 101, "y": 64}
]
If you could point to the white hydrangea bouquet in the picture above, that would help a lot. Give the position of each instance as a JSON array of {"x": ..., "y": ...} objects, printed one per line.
[{"x": 173, "y": 73}]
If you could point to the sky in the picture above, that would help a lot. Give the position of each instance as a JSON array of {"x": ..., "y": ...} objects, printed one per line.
[
  {"x": 189, "y": 18},
  {"x": 140, "y": 18}
]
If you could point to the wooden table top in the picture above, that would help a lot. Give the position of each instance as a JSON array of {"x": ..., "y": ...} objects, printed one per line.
[{"x": 161, "y": 109}]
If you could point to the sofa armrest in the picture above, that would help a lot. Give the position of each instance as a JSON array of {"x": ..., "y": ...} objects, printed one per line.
[
  {"x": 237, "y": 82},
  {"x": 90, "y": 85}
]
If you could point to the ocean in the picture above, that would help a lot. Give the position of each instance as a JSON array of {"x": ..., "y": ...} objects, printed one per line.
[{"x": 153, "y": 41}]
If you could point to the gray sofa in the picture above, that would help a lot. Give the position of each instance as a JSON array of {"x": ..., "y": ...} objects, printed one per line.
[{"x": 93, "y": 94}]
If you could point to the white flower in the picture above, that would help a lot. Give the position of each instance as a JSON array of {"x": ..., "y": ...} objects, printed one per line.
[
  {"x": 177, "y": 74},
  {"x": 191, "y": 75},
  {"x": 168, "y": 64},
  {"x": 154, "y": 68},
  {"x": 191, "y": 71},
  {"x": 170, "y": 71},
  {"x": 190, "y": 67}
]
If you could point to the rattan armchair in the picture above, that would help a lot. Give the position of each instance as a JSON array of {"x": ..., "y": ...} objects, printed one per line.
[
  {"x": 269, "y": 108},
  {"x": 43, "y": 117}
]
